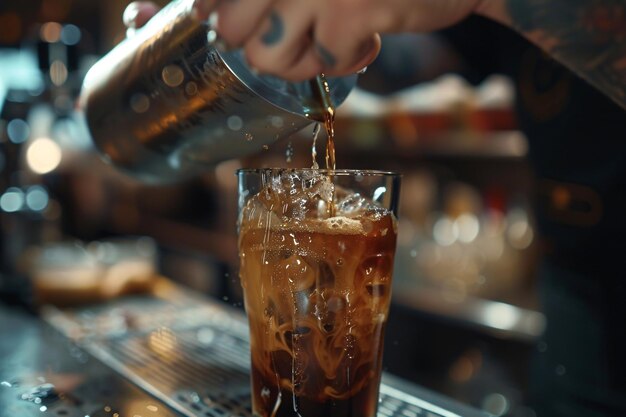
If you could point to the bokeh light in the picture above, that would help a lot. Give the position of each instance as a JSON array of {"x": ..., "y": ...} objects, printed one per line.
[
  {"x": 12, "y": 200},
  {"x": 43, "y": 155},
  {"x": 51, "y": 32},
  {"x": 18, "y": 131},
  {"x": 70, "y": 35}
]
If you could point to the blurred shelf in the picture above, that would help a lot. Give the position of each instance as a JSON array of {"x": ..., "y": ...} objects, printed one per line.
[
  {"x": 456, "y": 144},
  {"x": 222, "y": 246},
  {"x": 496, "y": 318},
  {"x": 367, "y": 139}
]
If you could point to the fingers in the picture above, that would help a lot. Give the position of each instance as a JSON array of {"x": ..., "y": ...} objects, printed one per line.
[
  {"x": 345, "y": 39},
  {"x": 203, "y": 8},
  {"x": 348, "y": 56},
  {"x": 280, "y": 37},
  {"x": 138, "y": 13},
  {"x": 282, "y": 43},
  {"x": 240, "y": 19}
]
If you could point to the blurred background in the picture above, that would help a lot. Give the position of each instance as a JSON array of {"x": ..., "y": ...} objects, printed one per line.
[{"x": 465, "y": 318}]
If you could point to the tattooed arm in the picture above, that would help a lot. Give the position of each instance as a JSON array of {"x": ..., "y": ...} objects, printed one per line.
[{"x": 589, "y": 36}]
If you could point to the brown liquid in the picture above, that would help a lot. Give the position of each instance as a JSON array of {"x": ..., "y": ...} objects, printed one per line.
[
  {"x": 317, "y": 293},
  {"x": 321, "y": 91}
]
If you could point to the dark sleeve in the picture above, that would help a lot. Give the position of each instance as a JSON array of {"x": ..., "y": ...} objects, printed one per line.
[{"x": 484, "y": 47}]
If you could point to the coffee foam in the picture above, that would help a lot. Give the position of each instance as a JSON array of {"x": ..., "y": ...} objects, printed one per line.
[
  {"x": 342, "y": 225},
  {"x": 339, "y": 225}
]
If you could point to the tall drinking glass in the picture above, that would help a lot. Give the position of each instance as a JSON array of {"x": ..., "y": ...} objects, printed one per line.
[{"x": 316, "y": 250}]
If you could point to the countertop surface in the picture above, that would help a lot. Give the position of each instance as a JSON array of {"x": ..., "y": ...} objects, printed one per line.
[
  {"x": 44, "y": 373},
  {"x": 148, "y": 356}
]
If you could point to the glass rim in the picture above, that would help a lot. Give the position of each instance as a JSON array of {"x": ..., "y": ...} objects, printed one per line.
[{"x": 335, "y": 172}]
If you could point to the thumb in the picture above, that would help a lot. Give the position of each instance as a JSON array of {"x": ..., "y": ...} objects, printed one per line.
[{"x": 138, "y": 13}]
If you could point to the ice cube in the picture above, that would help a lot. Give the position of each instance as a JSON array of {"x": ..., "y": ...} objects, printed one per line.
[{"x": 374, "y": 272}]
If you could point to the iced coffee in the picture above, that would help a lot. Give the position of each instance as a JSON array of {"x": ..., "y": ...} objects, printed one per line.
[{"x": 316, "y": 263}]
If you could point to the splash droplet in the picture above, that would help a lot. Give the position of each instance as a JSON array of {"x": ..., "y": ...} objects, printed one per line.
[{"x": 289, "y": 153}]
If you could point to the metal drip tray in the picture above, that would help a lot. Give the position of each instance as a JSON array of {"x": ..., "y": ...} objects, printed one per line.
[{"x": 192, "y": 354}]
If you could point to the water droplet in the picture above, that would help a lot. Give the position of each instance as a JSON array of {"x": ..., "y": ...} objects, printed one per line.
[
  {"x": 249, "y": 137},
  {"x": 140, "y": 103},
  {"x": 234, "y": 123},
  {"x": 560, "y": 370},
  {"x": 107, "y": 408},
  {"x": 153, "y": 408},
  {"x": 225, "y": 298},
  {"x": 43, "y": 408},
  {"x": 289, "y": 153},
  {"x": 191, "y": 88},
  {"x": 265, "y": 147},
  {"x": 172, "y": 75},
  {"x": 211, "y": 36},
  {"x": 206, "y": 336},
  {"x": 413, "y": 253},
  {"x": 39, "y": 393},
  {"x": 496, "y": 404},
  {"x": 277, "y": 122}
]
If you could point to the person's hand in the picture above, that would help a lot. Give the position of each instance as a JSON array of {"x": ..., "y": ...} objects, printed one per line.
[
  {"x": 298, "y": 39},
  {"x": 138, "y": 13}
]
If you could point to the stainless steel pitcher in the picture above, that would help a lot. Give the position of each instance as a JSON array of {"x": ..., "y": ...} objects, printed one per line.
[{"x": 165, "y": 104}]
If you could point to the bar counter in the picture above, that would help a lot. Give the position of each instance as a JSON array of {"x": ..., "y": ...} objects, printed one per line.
[{"x": 175, "y": 353}]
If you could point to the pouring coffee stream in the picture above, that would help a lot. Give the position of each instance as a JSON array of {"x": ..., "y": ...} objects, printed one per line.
[{"x": 321, "y": 92}]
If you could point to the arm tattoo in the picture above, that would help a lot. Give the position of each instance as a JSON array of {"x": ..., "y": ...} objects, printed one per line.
[{"x": 587, "y": 35}]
